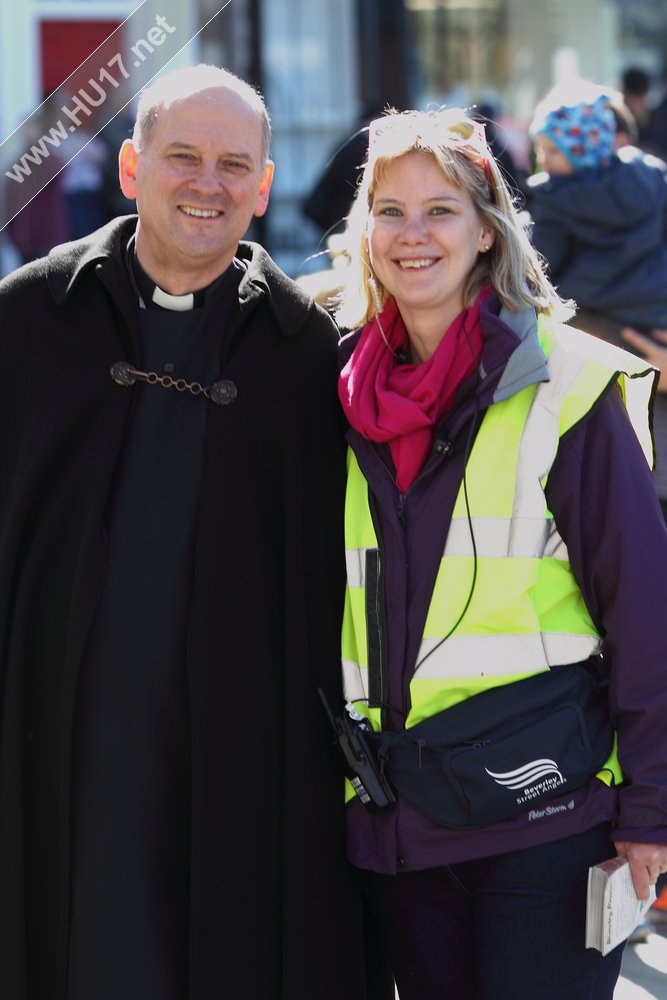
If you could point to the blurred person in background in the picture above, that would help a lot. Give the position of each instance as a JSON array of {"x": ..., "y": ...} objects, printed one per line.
[
  {"x": 651, "y": 117},
  {"x": 83, "y": 183},
  {"x": 41, "y": 224},
  {"x": 599, "y": 213},
  {"x": 497, "y": 140},
  {"x": 113, "y": 135},
  {"x": 332, "y": 194},
  {"x": 636, "y": 91},
  {"x": 41, "y": 221}
]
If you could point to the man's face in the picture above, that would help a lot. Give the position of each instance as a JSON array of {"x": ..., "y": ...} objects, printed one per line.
[{"x": 198, "y": 182}]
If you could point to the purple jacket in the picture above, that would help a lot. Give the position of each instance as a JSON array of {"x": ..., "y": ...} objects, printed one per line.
[{"x": 601, "y": 493}]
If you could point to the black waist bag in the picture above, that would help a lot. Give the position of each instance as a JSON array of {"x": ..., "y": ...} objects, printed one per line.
[{"x": 503, "y": 751}]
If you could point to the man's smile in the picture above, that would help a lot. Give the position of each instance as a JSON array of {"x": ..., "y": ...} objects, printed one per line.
[{"x": 200, "y": 213}]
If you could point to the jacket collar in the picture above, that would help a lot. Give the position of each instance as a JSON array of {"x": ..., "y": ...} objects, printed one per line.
[
  {"x": 290, "y": 305},
  {"x": 103, "y": 249},
  {"x": 527, "y": 364},
  {"x": 68, "y": 261}
]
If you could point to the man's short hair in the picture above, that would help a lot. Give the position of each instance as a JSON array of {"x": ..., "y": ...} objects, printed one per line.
[{"x": 190, "y": 80}]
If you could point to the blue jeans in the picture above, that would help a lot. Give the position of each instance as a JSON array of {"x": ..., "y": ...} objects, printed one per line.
[{"x": 496, "y": 929}]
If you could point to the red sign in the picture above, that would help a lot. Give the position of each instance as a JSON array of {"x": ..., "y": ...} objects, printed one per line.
[{"x": 65, "y": 44}]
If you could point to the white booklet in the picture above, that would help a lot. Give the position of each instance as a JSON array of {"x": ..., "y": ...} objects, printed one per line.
[{"x": 612, "y": 908}]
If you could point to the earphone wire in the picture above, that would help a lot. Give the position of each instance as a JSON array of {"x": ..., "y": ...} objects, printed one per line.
[
  {"x": 468, "y": 449},
  {"x": 473, "y": 542},
  {"x": 382, "y": 334}
]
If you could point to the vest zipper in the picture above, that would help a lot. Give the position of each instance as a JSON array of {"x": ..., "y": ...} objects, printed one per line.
[
  {"x": 376, "y": 622},
  {"x": 376, "y": 632},
  {"x": 438, "y": 454}
]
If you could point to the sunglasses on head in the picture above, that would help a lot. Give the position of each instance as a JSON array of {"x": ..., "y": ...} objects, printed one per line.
[{"x": 448, "y": 128}]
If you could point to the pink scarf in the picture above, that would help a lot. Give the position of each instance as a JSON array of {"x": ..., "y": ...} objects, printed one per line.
[{"x": 403, "y": 404}]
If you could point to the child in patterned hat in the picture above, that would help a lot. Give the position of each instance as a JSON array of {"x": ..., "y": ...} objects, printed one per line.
[
  {"x": 599, "y": 218},
  {"x": 573, "y": 136},
  {"x": 599, "y": 214}
]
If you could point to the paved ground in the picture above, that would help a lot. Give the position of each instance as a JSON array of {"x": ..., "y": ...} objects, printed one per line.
[{"x": 644, "y": 970}]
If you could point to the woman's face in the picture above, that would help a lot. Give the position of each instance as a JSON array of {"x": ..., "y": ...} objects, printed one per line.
[{"x": 424, "y": 236}]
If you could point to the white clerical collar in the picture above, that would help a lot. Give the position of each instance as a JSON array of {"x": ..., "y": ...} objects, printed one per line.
[
  {"x": 179, "y": 303},
  {"x": 144, "y": 286}
]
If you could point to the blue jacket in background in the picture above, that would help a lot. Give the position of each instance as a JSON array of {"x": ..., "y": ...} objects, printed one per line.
[{"x": 603, "y": 233}]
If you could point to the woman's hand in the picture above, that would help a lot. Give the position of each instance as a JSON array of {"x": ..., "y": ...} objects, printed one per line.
[
  {"x": 646, "y": 861},
  {"x": 654, "y": 352}
]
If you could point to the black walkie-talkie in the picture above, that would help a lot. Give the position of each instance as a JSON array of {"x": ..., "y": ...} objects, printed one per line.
[{"x": 359, "y": 761}]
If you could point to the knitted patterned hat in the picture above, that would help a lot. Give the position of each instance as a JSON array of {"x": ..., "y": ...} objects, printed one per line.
[{"x": 583, "y": 131}]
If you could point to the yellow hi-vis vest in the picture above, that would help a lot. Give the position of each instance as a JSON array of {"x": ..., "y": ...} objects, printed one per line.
[{"x": 526, "y": 612}]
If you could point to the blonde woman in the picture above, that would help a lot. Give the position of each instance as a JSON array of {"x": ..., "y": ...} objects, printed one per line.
[{"x": 503, "y": 640}]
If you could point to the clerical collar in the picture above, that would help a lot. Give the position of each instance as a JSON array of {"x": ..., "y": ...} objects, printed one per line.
[
  {"x": 151, "y": 296},
  {"x": 179, "y": 303}
]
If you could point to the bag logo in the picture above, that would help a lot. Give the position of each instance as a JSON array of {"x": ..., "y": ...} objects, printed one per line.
[{"x": 535, "y": 778}]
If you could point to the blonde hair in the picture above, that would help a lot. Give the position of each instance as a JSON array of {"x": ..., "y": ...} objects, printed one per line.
[{"x": 457, "y": 143}]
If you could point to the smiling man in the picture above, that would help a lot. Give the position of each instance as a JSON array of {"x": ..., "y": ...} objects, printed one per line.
[
  {"x": 199, "y": 170},
  {"x": 170, "y": 506}
]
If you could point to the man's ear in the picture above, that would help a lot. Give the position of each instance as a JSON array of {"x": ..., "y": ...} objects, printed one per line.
[
  {"x": 127, "y": 169},
  {"x": 264, "y": 188}
]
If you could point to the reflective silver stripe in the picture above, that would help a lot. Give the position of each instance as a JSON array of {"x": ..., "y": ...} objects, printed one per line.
[
  {"x": 540, "y": 435},
  {"x": 637, "y": 396},
  {"x": 355, "y": 560},
  {"x": 478, "y": 655},
  {"x": 499, "y": 538},
  {"x": 354, "y": 680},
  {"x": 555, "y": 547},
  {"x": 639, "y": 377},
  {"x": 528, "y": 534}
]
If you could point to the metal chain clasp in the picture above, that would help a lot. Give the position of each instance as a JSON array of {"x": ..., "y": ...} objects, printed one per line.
[{"x": 222, "y": 393}]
